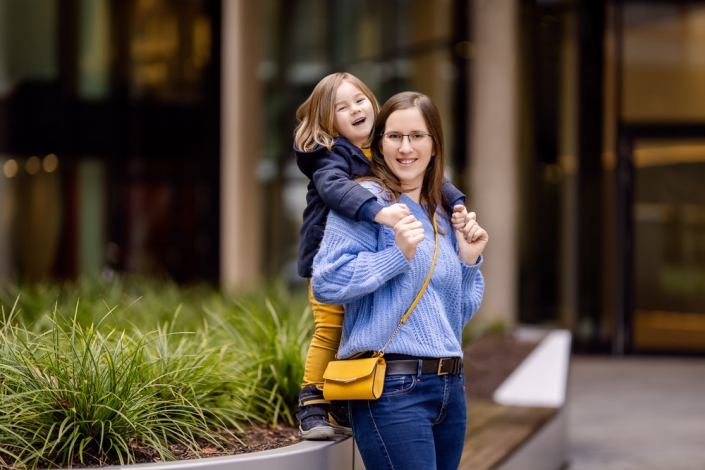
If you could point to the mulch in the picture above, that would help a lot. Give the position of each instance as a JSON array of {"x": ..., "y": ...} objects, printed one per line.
[
  {"x": 251, "y": 439},
  {"x": 488, "y": 362}
]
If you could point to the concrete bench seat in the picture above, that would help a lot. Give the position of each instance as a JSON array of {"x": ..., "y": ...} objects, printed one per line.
[{"x": 495, "y": 431}]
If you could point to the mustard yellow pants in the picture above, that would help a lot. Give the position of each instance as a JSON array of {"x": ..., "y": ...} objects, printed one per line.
[{"x": 328, "y": 321}]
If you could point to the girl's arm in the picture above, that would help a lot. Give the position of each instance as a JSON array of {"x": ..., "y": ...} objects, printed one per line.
[
  {"x": 453, "y": 195},
  {"x": 348, "y": 264},
  {"x": 332, "y": 178},
  {"x": 334, "y": 183}
]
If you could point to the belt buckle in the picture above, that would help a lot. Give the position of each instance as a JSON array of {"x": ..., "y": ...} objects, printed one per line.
[{"x": 440, "y": 365}]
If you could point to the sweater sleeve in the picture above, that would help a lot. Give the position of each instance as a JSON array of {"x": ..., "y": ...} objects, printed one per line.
[
  {"x": 473, "y": 283},
  {"x": 333, "y": 180},
  {"x": 473, "y": 289},
  {"x": 349, "y": 265}
]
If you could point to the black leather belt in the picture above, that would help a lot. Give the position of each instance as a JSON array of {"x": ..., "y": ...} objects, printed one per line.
[{"x": 442, "y": 366}]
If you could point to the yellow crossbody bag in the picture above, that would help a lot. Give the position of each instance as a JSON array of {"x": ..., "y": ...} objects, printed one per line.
[{"x": 363, "y": 379}]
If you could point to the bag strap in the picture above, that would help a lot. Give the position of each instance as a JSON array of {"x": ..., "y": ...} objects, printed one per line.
[{"x": 418, "y": 297}]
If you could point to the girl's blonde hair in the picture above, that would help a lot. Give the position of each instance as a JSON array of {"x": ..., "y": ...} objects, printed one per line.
[{"x": 316, "y": 114}]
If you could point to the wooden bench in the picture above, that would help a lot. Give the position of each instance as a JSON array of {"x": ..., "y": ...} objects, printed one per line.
[{"x": 495, "y": 431}]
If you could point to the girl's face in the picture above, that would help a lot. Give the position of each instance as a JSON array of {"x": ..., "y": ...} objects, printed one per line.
[
  {"x": 406, "y": 159},
  {"x": 354, "y": 115}
]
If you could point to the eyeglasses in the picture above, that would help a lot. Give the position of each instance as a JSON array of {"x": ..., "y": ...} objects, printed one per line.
[{"x": 396, "y": 138}]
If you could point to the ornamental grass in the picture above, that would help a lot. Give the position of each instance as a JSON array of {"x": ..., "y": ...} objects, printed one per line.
[{"x": 101, "y": 384}]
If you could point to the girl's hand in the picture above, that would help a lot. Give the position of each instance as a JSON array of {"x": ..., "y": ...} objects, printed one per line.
[
  {"x": 472, "y": 240},
  {"x": 391, "y": 215},
  {"x": 408, "y": 233},
  {"x": 458, "y": 217}
]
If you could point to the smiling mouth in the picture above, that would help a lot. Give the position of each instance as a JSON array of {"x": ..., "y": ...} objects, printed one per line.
[
  {"x": 406, "y": 161},
  {"x": 358, "y": 122}
]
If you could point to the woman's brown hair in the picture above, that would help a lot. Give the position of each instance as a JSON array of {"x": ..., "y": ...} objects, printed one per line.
[
  {"x": 432, "y": 186},
  {"x": 316, "y": 114}
]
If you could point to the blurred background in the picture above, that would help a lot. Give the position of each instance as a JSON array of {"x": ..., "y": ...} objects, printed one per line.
[{"x": 155, "y": 137}]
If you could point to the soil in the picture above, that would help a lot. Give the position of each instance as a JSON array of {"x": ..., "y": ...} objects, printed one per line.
[
  {"x": 488, "y": 361},
  {"x": 251, "y": 439}
]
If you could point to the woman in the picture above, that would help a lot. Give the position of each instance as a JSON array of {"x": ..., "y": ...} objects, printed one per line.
[{"x": 376, "y": 272}]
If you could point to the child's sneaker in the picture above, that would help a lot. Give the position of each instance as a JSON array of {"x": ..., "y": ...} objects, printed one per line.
[
  {"x": 313, "y": 415},
  {"x": 340, "y": 417}
]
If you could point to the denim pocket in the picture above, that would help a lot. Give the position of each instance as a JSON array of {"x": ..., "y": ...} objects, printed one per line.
[{"x": 398, "y": 385}]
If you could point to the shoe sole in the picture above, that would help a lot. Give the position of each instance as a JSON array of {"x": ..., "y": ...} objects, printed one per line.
[
  {"x": 319, "y": 433},
  {"x": 341, "y": 430}
]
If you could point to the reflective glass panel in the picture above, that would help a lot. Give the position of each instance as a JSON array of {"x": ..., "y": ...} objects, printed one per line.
[
  {"x": 669, "y": 244},
  {"x": 664, "y": 61}
]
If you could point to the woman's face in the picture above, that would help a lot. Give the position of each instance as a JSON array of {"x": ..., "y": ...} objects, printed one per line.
[{"x": 406, "y": 159}]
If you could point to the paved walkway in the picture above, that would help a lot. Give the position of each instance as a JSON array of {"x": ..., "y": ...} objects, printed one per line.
[{"x": 636, "y": 413}]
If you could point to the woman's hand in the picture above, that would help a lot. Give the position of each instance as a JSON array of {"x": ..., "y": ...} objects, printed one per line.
[
  {"x": 391, "y": 215},
  {"x": 408, "y": 233},
  {"x": 471, "y": 239}
]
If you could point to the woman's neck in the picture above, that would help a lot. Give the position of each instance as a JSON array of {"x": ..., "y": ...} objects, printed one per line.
[{"x": 414, "y": 195}]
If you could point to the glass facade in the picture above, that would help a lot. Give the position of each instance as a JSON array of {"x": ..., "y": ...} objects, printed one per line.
[
  {"x": 659, "y": 116},
  {"x": 611, "y": 153},
  {"x": 110, "y": 143},
  {"x": 109, "y": 129}
]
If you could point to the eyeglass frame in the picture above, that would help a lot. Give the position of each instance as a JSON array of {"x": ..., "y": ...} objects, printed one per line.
[{"x": 408, "y": 137}]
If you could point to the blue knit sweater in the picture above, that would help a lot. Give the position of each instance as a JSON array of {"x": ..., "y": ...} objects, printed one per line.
[{"x": 359, "y": 265}]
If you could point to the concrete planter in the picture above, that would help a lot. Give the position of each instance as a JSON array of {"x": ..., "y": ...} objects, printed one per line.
[
  {"x": 540, "y": 380},
  {"x": 323, "y": 455}
]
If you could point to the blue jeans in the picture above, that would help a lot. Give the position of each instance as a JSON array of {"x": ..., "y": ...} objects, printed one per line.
[{"x": 417, "y": 423}]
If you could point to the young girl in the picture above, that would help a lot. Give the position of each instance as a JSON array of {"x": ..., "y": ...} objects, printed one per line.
[{"x": 331, "y": 144}]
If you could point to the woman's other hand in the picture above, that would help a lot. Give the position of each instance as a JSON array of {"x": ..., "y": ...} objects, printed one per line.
[
  {"x": 472, "y": 239},
  {"x": 408, "y": 233},
  {"x": 391, "y": 215}
]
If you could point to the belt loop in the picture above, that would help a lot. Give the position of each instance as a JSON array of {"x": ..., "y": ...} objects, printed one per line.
[{"x": 419, "y": 372}]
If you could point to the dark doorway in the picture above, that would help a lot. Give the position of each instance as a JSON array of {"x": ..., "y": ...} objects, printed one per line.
[{"x": 662, "y": 242}]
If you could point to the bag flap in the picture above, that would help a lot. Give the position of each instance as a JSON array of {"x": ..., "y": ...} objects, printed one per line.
[{"x": 351, "y": 370}]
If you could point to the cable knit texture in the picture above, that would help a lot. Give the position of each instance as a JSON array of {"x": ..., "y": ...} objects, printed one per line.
[{"x": 359, "y": 265}]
